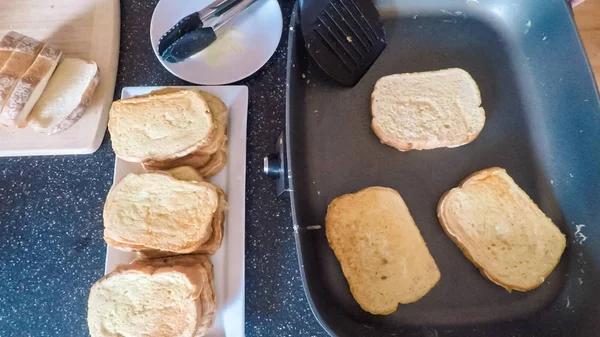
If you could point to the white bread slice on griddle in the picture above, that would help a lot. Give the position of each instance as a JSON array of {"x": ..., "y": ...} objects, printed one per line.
[
  {"x": 31, "y": 86},
  {"x": 8, "y": 44},
  {"x": 167, "y": 297},
  {"x": 381, "y": 251},
  {"x": 427, "y": 110},
  {"x": 160, "y": 127},
  {"x": 66, "y": 97},
  {"x": 157, "y": 212},
  {"x": 501, "y": 230},
  {"x": 13, "y": 69}
]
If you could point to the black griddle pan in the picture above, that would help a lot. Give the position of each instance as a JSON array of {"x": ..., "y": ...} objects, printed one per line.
[{"x": 543, "y": 126}]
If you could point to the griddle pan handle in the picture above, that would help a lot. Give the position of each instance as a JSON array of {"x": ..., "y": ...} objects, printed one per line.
[{"x": 275, "y": 165}]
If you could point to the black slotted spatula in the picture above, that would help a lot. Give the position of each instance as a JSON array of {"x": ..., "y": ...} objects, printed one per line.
[{"x": 344, "y": 37}]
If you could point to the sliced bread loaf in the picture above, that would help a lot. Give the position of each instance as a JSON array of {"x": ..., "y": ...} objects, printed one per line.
[
  {"x": 156, "y": 212},
  {"x": 66, "y": 97},
  {"x": 13, "y": 69},
  {"x": 160, "y": 127},
  {"x": 30, "y": 87},
  {"x": 167, "y": 297},
  {"x": 501, "y": 230},
  {"x": 427, "y": 110},
  {"x": 8, "y": 45},
  {"x": 381, "y": 251}
]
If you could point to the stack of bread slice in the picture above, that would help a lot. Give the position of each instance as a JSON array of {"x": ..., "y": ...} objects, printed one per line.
[
  {"x": 165, "y": 213},
  {"x": 163, "y": 297},
  {"x": 173, "y": 219},
  {"x": 38, "y": 89},
  {"x": 168, "y": 215},
  {"x": 169, "y": 128}
]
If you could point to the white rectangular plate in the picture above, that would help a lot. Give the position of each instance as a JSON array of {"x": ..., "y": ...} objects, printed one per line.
[
  {"x": 229, "y": 260},
  {"x": 84, "y": 29}
]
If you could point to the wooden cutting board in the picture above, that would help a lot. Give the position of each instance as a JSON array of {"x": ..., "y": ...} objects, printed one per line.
[
  {"x": 587, "y": 16},
  {"x": 88, "y": 29}
]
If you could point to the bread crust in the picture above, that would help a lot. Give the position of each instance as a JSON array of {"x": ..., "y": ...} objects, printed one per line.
[
  {"x": 405, "y": 147},
  {"x": 15, "y": 66},
  {"x": 479, "y": 175},
  {"x": 194, "y": 159},
  {"x": 215, "y": 165},
  {"x": 8, "y": 44}
]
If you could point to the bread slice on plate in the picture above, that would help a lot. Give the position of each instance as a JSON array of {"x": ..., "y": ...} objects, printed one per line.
[
  {"x": 167, "y": 297},
  {"x": 160, "y": 127},
  {"x": 8, "y": 44},
  {"x": 157, "y": 212},
  {"x": 66, "y": 97},
  {"x": 428, "y": 110},
  {"x": 501, "y": 230},
  {"x": 30, "y": 87},
  {"x": 381, "y": 251},
  {"x": 208, "y": 158},
  {"x": 13, "y": 69},
  {"x": 213, "y": 243}
]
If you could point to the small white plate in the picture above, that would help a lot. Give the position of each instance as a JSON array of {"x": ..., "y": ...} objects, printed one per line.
[
  {"x": 228, "y": 262},
  {"x": 244, "y": 45}
]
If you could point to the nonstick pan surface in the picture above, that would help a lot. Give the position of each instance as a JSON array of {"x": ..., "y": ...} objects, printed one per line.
[{"x": 543, "y": 127}]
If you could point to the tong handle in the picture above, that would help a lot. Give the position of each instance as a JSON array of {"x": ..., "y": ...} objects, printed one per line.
[{"x": 220, "y": 12}]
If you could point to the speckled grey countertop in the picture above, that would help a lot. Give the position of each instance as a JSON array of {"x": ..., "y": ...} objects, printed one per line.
[{"x": 51, "y": 246}]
